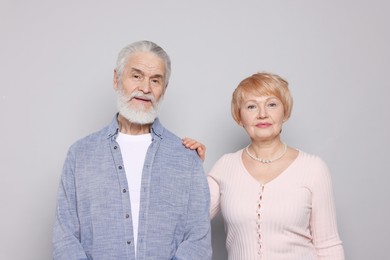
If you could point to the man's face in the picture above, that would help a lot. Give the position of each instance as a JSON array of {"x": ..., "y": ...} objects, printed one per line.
[{"x": 140, "y": 87}]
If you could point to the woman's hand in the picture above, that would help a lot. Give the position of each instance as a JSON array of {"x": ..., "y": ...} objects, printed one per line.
[{"x": 195, "y": 145}]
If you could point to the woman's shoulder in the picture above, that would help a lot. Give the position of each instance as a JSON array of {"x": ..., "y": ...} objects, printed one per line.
[
  {"x": 312, "y": 166},
  {"x": 230, "y": 158},
  {"x": 309, "y": 158},
  {"x": 232, "y": 155},
  {"x": 227, "y": 162}
]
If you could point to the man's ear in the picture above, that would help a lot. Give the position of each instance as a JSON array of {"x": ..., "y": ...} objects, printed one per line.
[
  {"x": 115, "y": 80},
  {"x": 166, "y": 86}
]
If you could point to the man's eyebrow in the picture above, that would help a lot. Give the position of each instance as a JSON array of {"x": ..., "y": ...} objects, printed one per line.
[
  {"x": 132, "y": 69},
  {"x": 157, "y": 76}
]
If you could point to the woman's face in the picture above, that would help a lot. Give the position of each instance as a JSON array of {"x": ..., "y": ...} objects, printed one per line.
[{"x": 262, "y": 116}]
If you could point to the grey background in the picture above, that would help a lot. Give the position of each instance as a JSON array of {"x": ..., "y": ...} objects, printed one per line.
[{"x": 56, "y": 64}]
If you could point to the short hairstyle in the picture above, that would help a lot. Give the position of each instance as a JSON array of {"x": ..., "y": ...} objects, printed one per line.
[
  {"x": 261, "y": 84},
  {"x": 143, "y": 46}
]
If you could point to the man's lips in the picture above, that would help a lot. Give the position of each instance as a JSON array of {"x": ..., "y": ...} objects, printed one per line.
[{"x": 143, "y": 99}]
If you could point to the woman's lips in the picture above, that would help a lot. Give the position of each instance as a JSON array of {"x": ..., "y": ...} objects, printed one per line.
[{"x": 263, "y": 125}]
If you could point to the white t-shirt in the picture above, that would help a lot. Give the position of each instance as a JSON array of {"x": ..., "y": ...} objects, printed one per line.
[{"x": 133, "y": 149}]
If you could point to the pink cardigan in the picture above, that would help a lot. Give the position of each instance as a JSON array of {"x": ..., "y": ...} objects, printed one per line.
[{"x": 292, "y": 217}]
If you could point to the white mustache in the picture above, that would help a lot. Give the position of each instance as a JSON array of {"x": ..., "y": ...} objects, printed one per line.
[{"x": 142, "y": 95}]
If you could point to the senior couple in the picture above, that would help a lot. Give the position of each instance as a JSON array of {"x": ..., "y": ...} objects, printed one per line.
[{"x": 134, "y": 190}]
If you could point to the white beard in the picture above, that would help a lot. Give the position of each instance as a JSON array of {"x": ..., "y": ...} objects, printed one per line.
[{"x": 137, "y": 116}]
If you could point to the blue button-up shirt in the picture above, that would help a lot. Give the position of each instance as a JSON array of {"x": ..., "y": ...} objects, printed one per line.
[{"x": 93, "y": 216}]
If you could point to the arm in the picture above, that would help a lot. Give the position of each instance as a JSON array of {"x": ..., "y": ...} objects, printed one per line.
[
  {"x": 215, "y": 196},
  {"x": 323, "y": 221},
  {"x": 197, "y": 238},
  {"x": 66, "y": 238},
  {"x": 213, "y": 183}
]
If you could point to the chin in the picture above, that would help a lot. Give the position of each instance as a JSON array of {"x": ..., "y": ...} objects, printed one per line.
[{"x": 140, "y": 117}]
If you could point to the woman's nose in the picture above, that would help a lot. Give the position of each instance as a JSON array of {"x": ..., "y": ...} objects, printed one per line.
[{"x": 262, "y": 112}]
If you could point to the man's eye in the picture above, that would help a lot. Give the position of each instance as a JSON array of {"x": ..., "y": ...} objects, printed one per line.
[
  {"x": 155, "y": 81},
  {"x": 136, "y": 76}
]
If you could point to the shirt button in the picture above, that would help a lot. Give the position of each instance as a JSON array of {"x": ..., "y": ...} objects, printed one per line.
[
  {"x": 115, "y": 147},
  {"x": 124, "y": 190},
  {"x": 127, "y": 215},
  {"x": 128, "y": 242},
  {"x": 120, "y": 167}
]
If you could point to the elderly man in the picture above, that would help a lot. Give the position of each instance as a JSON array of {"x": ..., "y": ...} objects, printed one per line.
[{"x": 132, "y": 190}]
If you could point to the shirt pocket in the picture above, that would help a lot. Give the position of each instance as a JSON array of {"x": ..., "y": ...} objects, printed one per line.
[{"x": 173, "y": 195}]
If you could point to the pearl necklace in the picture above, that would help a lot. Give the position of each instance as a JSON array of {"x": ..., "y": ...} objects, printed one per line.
[{"x": 266, "y": 160}]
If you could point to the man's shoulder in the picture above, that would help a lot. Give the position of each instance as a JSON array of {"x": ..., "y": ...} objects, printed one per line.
[
  {"x": 165, "y": 134},
  {"x": 169, "y": 136},
  {"x": 92, "y": 139},
  {"x": 174, "y": 144}
]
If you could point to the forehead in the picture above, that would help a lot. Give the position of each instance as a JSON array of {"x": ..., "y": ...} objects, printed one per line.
[
  {"x": 146, "y": 62},
  {"x": 253, "y": 96}
]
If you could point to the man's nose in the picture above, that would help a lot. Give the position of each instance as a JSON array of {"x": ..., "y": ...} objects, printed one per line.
[{"x": 144, "y": 85}]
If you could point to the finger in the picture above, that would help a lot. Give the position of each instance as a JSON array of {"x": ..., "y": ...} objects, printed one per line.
[
  {"x": 201, "y": 153},
  {"x": 187, "y": 141},
  {"x": 190, "y": 143}
]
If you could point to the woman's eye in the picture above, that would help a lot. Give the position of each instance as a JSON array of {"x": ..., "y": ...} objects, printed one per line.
[
  {"x": 251, "y": 106},
  {"x": 272, "y": 105}
]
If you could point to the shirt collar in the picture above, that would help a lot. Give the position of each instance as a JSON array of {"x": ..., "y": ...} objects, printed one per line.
[{"x": 113, "y": 128}]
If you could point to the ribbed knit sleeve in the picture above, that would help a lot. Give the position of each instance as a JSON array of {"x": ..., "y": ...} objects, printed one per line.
[
  {"x": 323, "y": 215},
  {"x": 214, "y": 180},
  {"x": 214, "y": 196}
]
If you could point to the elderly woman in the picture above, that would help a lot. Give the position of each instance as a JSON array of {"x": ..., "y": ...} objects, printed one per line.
[{"x": 276, "y": 201}]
